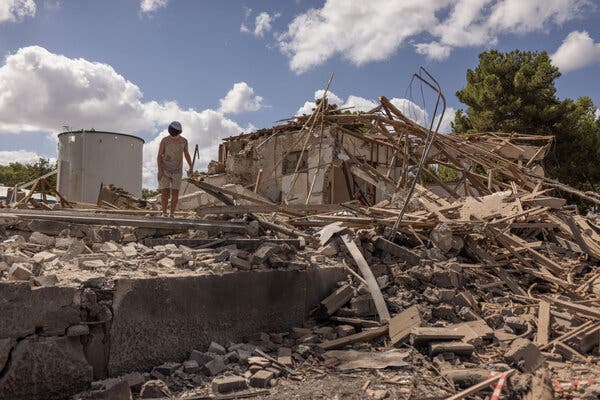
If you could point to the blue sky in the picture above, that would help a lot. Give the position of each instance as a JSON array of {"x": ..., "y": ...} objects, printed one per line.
[{"x": 222, "y": 67}]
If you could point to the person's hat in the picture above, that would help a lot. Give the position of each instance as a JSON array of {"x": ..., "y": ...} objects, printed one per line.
[{"x": 175, "y": 128}]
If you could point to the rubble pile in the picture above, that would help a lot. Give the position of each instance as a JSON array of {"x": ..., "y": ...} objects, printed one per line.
[{"x": 485, "y": 286}]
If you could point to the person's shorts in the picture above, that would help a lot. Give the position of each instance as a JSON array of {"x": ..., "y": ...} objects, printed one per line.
[{"x": 170, "y": 181}]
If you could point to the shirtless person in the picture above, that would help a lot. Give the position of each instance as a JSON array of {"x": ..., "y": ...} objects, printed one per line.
[{"x": 170, "y": 166}]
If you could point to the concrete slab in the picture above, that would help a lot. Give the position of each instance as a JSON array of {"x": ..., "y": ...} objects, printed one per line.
[
  {"x": 161, "y": 319},
  {"x": 45, "y": 368},
  {"x": 47, "y": 310}
]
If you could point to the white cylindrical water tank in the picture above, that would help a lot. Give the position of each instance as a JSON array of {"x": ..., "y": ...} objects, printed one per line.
[{"x": 89, "y": 159}]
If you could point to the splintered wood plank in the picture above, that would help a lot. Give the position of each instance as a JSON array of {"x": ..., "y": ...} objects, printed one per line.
[
  {"x": 593, "y": 312},
  {"x": 398, "y": 251},
  {"x": 357, "y": 337},
  {"x": 382, "y": 310},
  {"x": 543, "y": 325},
  {"x": 402, "y": 324}
]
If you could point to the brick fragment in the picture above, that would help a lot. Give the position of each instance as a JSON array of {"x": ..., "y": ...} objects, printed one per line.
[
  {"x": 228, "y": 384},
  {"x": 261, "y": 379}
]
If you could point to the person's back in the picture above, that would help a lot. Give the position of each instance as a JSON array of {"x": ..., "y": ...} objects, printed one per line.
[
  {"x": 174, "y": 147},
  {"x": 170, "y": 165}
]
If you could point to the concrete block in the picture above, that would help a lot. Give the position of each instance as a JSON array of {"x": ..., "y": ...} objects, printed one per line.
[
  {"x": 446, "y": 278},
  {"x": 44, "y": 256},
  {"x": 240, "y": 263},
  {"x": 49, "y": 309},
  {"x": 117, "y": 391},
  {"x": 129, "y": 251},
  {"x": 75, "y": 248},
  {"x": 525, "y": 355},
  {"x": 363, "y": 306},
  {"x": 264, "y": 252},
  {"x": 167, "y": 262},
  {"x": 20, "y": 272},
  {"x": 166, "y": 369},
  {"x": 284, "y": 356},
  {"x": 91, "y": 265},
  {"x": 41, "y": 239},
  {"x": 228, "y": 384},
  {"x": 214, "y": 367},
  {"x": 45, "y": 280},
  {"x": 261, "y": 379},
  {"x": 45, "y": 368},
  {"x": 191, "y": 367},
  {"x": 200, "y": 357},
  {"x": 63, "y": 243},
  {"x": 232, "y": 357},
  {"x": 216, "y": 348}
]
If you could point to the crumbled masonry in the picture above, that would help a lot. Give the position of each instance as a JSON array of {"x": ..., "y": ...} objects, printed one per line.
[{"x": 280, "y": 277}]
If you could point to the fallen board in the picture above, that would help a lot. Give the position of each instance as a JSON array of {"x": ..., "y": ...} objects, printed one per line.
[
  {"x": 402, "y": 324},
  {"x": 129, "y": 220},
  {"x": 384, "y": 314},
  {"x": 357, "y": 337},
  {"x": 239, "y": 242}
]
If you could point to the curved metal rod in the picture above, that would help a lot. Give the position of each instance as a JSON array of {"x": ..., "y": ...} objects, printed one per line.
[{"x": 428, "y": 142}]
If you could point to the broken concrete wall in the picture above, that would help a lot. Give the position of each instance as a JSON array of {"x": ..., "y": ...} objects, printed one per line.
[
  {"x": 55, "y": 340},
  {"x": 37, "y": 359},
  {"x": 162, "y": 319},
  {"x": 275, "y": 157}
]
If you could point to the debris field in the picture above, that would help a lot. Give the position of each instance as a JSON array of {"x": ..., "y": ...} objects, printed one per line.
[{"x": 482, "y": 286}]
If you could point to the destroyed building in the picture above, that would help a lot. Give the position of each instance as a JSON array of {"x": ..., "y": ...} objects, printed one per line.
[{"x": 301, "y": 266}]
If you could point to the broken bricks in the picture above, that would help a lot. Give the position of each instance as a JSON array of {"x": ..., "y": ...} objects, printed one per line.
[{"x": 228, "y": 384}]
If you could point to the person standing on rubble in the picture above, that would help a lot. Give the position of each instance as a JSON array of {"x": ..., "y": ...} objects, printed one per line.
[{"x": 170, "y": 166}]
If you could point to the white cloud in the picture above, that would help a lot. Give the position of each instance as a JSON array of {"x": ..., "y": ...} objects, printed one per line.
[
  {"x": 41, "y": 91},
  {"x": 411, "y": 110},
  {"x": 433, "y": 50},
  {"x": 307, "y": 108},
  {"x": 16, "y": 10},
  {"x": 357, "y": 103},
  {"x": 578, "y": 50},
  {"x": 247, "y": 12},
  {"x": 597, "y": 113},
  {"x": 239, "y": 99},
  {"x": 262, "y": 23},
  {"x": 332, "y": 98},
  {"x": 369, "y": 31},
  {"x": 21, "y": 156},
  {"x": 148, "y": 6}
]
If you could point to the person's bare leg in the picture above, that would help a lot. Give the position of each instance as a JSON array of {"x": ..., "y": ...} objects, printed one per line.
[
  {"x": 174, "y": 199},
  {"x": 164, "y": 199}
]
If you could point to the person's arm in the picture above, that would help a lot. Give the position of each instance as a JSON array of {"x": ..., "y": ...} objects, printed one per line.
[
  {"x": 161, "y": 154},
  {"x": 186, "y": 153}
]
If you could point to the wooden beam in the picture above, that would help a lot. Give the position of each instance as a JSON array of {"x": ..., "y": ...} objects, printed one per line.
[
  {"x": 357, "y": 337},
  {"x": 405, "y": 254},
  {"x": 402, "y": 324},
  {"x": 593, "y": 312},
  {"x": 543, "y": 323},
  {"x": 359, "y": 259},
  {"x": 239, "y": 242}
]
